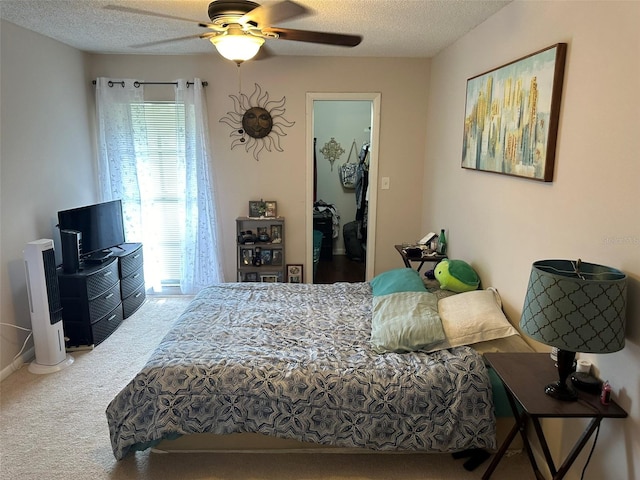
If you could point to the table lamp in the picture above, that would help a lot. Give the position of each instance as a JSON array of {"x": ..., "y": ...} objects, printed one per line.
[{"x": 576, "y": 307}]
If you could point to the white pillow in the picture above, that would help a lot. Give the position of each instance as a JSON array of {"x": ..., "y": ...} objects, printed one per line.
[{"x": 472, "y": 317}]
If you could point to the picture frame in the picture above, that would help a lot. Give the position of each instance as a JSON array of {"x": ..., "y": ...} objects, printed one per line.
[
  {"x": 271, "y": 209},
  {"x": 276, "y": 233},
  {"x": 512, "y": 114},
  {"x": 269, "y": 278},
  {"x": 294, "y": 273},
  {"x": 251, "y": 277},
  {"x": 246, "y": 254},
  {"x": 276, "y": 256},
  {"x": 265, "y": 256},
  {"x": 256, "y": 209}
]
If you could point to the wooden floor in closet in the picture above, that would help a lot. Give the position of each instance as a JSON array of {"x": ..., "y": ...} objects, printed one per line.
[{"x": 340, "y": 269}]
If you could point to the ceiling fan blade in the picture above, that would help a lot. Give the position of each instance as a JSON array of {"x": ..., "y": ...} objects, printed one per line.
[
  {"x": 339, "y": 39},
  {"x": 119, "y": 8},
  {"x": 171, "y": 40},
  {"x": 274, "y": 13}
]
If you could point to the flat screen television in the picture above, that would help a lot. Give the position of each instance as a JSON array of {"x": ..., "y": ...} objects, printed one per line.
[{"x": 101, "y": 225}]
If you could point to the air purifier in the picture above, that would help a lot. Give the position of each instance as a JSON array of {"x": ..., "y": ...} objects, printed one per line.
[{"x": 45, "y": 307}]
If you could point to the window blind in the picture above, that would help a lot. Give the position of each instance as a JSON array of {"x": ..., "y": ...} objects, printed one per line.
[{"x": 163, "y": 180}]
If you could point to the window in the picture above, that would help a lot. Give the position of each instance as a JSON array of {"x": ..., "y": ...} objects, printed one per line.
[{"x": 161, "y": 185}]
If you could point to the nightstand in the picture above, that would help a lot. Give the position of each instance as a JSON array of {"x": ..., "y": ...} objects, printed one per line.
[
  {"x": 524, "y": 376},
  {"x": 407, "y": 259}
]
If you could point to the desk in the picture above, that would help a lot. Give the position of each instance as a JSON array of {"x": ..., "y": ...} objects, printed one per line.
[
  {"x": 407, "y": 259},
  {"x": 524, "y": 376}
]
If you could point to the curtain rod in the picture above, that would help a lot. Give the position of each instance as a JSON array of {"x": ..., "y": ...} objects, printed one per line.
[{"x": 137, "y": 84}]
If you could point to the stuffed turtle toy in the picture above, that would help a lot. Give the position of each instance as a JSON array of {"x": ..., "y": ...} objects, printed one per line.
[{"x": 456, "y": 275}]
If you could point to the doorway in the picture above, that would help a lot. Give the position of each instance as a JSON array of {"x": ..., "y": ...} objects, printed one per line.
[{"x": 353, "y": 122}]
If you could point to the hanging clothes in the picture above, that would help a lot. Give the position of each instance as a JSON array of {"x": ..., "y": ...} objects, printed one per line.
[{"x": 362, "y": 191}]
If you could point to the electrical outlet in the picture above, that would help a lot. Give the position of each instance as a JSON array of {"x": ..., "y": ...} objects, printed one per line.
[{"x": 385, "y": 183}]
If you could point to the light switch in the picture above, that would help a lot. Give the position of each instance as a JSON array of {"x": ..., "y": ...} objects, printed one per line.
[{"x": 385, "y": 183}]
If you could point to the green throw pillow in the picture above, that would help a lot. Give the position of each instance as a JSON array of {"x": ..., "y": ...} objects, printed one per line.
[
  {"x": 397, "y": 280},
  {"x": 405, "y": 322}
]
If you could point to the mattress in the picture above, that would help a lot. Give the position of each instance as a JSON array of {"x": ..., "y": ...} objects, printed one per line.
[{"x": 293, "y": 361}]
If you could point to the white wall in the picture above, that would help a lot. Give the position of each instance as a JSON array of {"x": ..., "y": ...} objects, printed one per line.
[
  {"x": 45, "y": 152},
  {"x": 502, "y": 224}
]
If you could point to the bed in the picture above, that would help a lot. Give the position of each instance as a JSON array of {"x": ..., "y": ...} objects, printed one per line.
[{"x": 297, "y": 362}]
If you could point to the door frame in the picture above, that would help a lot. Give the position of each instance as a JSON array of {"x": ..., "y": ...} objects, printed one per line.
[{"x": 374, "y": 98}]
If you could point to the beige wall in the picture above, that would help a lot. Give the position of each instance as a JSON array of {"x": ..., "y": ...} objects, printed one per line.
[
  {"x": 48, "y": 125},
  {"x": 45, "y": 155},
  {"x": 281, "y": 176},
  {"x": 502, "y": 224}
]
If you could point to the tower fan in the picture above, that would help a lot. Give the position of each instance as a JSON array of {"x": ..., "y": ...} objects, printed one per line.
[{"x": 45, "y": 308}]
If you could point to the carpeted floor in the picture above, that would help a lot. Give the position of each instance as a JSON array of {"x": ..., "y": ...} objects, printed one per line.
[{"x": 54, "y": 427}]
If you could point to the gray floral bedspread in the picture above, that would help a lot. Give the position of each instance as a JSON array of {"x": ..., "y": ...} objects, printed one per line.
[{"x": 294, "y": 361}]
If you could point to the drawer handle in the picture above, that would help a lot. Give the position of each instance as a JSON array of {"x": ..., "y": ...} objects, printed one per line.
[
  {"x": 138, "y": 295},
  {"x": 109, "y": 296},
  {"x": 106, "y": 274},
  {"x": 136, "y": 275},
  {"x": 136, "y": 256},
  {"x": 111, "y": 318}
]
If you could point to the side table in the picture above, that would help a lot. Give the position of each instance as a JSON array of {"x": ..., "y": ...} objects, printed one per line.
[
  {"x": 407, "y": 259},
  {"x": 524, "y": 376}
]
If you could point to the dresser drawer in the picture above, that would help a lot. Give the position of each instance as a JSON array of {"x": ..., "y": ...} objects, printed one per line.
[
  {"x": 107, "y": 325},
  {"x": 133, "y": 301},
  {"x": 131, "y": 262},
  {"x": 100, "y": 306},
  {"x": 102, "y": 280},
  {"x": 130, "y": 284}
]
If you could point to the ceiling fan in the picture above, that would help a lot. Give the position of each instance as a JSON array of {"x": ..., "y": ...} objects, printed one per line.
[{"x": 238, "y": 28}]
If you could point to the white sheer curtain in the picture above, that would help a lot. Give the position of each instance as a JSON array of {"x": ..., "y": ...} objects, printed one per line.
[
  {"x": 123, "y": 172},
  {"x": 200, "y": 260}
]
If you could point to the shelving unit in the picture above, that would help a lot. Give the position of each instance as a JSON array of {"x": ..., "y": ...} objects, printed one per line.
[{"x": 260, "y": 260}]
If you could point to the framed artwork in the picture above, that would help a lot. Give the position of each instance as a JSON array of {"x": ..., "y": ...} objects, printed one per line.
[
  {"x": 271, "y": 209},
  {"x": 270, "y": 278},
  {"x": 512, "y": 114},
  {"x": 294, "y": 273},
  {"x": 251, "y": 277}
]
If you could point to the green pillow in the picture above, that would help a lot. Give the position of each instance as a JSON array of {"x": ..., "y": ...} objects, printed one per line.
[
  {"x": 405, "y": 322},
  {"x": 398, "y": 280}
]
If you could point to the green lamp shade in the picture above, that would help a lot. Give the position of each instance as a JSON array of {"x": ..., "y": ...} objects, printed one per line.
[{"x": 575, "y": 306}]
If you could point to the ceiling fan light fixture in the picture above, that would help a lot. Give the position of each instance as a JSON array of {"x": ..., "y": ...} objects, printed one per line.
[{"x": 236, "y": 45}]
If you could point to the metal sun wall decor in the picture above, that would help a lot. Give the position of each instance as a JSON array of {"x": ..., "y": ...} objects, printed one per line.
[
  {"x": 257, "y": 123},
  {"x": 332, "y": 151},
  {"x": 512, "y": 114}
]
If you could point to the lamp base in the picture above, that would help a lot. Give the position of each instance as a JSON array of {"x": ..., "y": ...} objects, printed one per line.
[{"x": 561, "y": 391}]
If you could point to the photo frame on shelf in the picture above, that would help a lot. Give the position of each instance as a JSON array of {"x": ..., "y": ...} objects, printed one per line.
[
  {"x": 294, "y": 273},
  {"x": 269, "y": 278},
  {"x": 247, "y": 256},
  {"x": 256, "y": 209},
  {"x": 276, "y": 256},
  {"x": 251, "y": 277},
  {"x": 265, "y": 256},
  {"x": 276, "y": 233},
  {"x": 271, "y": 209},
  {"x": 512, "y": 114}
]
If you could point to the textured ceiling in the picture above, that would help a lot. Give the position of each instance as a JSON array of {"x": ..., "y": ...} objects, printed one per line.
[{"x": 402, "y": 28}]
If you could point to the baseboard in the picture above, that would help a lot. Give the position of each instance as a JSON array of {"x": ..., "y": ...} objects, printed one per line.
[{"x": 14, "y": 366}]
